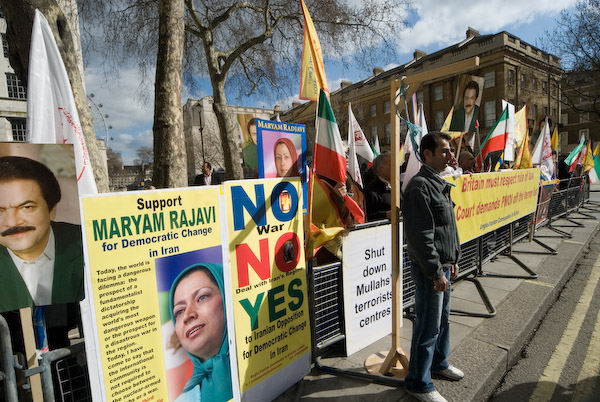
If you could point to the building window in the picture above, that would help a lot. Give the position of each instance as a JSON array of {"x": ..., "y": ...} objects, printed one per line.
[
  {"x": 553, "y": 112},
  {"x": 438, "y": 93},
  {"x": 523, "y": 81},
  {"x": 439, "y": 120},
  {"x": 387, "y": 133},
  {"x": 18, "y": 129},
  {"x": 15, "y": 89},
  {"x": 584, "y": 117},
  {"x": 373, "y": 132},
  {"x": 535, "y": 111},
  {"x": 564, "y": 118},
  {"x": 5, "y": 45},
  {"x": 534, "y": 83},
  {"x": 510, "y": 78},
  {"x": 419, "y": 97},
  {"x": 545, "y": 86},
  {"x": 585, "y": 133},
  {"x": 490, "y": 79},
  {"x": 546, "y": 110},
  {"x": 386, "y": 107},
  {"x": 373, "y": 110},
  {"x": 489, "y": 110}
]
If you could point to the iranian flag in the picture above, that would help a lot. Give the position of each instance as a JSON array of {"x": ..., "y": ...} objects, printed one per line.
[
  {"x": 594, "y": 173},
  {"x": 574, "y": 156},
  {"x": 496, "y": 138},
  {"x": 329, "y": 159}
]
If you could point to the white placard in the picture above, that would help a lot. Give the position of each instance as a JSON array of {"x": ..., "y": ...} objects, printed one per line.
[{"x": 367, "y": 273}]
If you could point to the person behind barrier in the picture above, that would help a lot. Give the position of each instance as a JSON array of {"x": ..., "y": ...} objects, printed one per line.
[
  {"x": 378, "y": 191},
  {"x": 41, "y": 261},
  {"x": 466, "y": 161},
  {"x": 197, "y": 308},
  {"x": 433, "y": 248}
]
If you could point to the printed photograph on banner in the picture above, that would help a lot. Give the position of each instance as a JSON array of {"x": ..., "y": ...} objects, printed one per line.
[
  {"x": 282, "y": 151},
  {"x": 155, "y": 262},
  {"x": 41, "y": 256},
  {"x": 193, "y": 317},
  {"x": 268, "y": 285},
  {"x": 249, "y": 141},
  {"x": 467, "y": 102}
]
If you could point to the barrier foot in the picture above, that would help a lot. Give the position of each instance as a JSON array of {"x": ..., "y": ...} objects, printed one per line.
[
  {"x": 484, "y": 297},
  {"x": 375, "y": 378},
  {"x": 561, "y": 233},
  {"x": 575, "y": 224},
  {"x": 547, "y": 247},
  {"x": 532, "y": 274},
  {"x": 585, "y": 216}
]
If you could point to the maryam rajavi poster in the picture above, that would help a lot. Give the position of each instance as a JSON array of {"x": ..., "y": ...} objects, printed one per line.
[
  {"x": 160, "y": 297},
  {"x": 268, "y": 285},
  {"x": 282, "y": 151}
]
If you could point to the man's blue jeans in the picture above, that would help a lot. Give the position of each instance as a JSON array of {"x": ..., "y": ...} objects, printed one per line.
[{"x": 430, "y": 344}]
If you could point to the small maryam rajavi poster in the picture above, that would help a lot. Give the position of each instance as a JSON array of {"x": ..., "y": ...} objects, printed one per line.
[
  {"x": 159, "y": 296},
  {"x": 282, "y": 151},
  {"x": 268, "y": 284}
]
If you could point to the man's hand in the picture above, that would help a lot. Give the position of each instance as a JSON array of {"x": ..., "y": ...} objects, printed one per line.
[
  {"x": 340, "y": 188},
  {"x": 441, "y": 284},
  {"x": 454, "y": 271}
]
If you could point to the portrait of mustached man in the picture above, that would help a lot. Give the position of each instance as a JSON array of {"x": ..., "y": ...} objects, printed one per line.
[{"x": 41, "y": 261}]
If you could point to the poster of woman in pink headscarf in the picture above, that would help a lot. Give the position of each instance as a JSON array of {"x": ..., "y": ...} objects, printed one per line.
[{"x": 281, "y": 150}]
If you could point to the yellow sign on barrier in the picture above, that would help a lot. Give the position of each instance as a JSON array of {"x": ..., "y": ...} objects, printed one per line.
[{"x": 487, "y": 201}]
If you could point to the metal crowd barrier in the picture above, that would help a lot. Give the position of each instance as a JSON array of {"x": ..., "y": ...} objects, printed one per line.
[{"x": 326, "y": 281}]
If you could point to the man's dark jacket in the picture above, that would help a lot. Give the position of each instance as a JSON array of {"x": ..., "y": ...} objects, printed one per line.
[
  {"x": 67, "y": 284},
  {"x": 378, "y": 199},
  {"x": 214, "y": 179},
  {"x": 429, "y": 224}
]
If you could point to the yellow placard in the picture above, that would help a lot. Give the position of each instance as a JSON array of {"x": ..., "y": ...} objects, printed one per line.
[
  {"x": 135, "y": 244},
  {"x": 487, "y": 201},
  {"x": 268, "y": 279}
]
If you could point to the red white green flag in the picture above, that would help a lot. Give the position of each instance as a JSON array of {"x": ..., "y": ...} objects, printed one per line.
[{"x": 329, "y": 158}]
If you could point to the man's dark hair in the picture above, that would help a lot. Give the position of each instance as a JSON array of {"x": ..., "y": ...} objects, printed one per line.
[
  {"x": 378, "y": 161},
  {"x": 208, "y": 165},
  {"x": 472, "y": 85},
  {"x": 430, "y": 141},
  {"x": 20, "y": 168}
]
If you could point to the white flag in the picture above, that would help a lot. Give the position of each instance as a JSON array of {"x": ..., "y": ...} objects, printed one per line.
[
  {"x": 363, "y": 149},
  {"x": 353, "y": 167},
  {"x": 414, "y": 163},
  {"x": 511, "y": 142},
  {"x": 52, "y": 116}
]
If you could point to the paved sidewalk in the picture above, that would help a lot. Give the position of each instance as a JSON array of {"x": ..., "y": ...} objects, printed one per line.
[{"x": 484, "y": 348}]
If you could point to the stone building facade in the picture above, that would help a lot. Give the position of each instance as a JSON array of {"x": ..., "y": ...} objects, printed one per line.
[
  {"x": 584, "y": 88},
  {"x": 512, "y": 70}
]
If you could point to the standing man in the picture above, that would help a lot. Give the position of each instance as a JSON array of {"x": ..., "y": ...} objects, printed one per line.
[
  {"x": 433, "y": 247},
  {"x": 207, "y": 178},
  {"x": 378, "y": 191}
]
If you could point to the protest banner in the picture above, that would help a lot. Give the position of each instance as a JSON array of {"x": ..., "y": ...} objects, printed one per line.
[
  {"x": 367, "y": 271},
  {"x": 156, "y": 266},
  {"x": 269, "y": 285},
  {"x": 487, "y": 201},
  {"x": 282, "y": 151}
]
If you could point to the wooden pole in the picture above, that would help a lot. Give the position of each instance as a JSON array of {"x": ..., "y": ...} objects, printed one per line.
[{"x": 30, "y": 353}]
